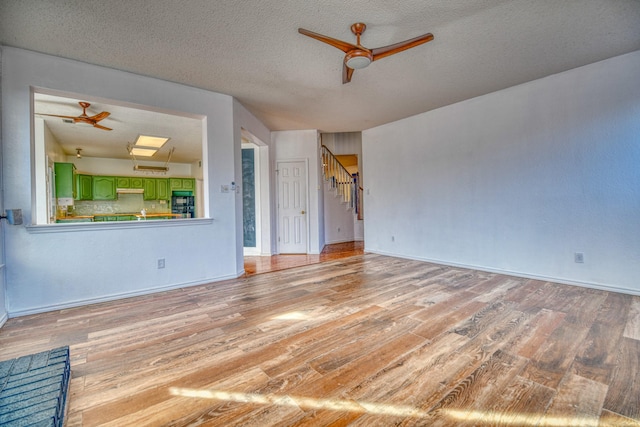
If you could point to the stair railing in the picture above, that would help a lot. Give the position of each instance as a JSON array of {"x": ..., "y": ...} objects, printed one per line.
[{"x": 342, "y": 181}]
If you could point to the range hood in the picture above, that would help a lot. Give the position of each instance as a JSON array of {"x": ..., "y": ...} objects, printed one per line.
[{"x": 129, "y": 190}]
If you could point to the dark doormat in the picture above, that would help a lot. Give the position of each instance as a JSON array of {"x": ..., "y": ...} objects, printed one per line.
[{"x": 34, "y": 388}]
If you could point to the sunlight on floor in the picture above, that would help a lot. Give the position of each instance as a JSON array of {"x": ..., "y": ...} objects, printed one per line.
[
  {"x": 459, "y": 415},
  {"x": 301, "y": 402},
  {"x": 514, "y": 419},
  {"x": 293, "y": 315}
]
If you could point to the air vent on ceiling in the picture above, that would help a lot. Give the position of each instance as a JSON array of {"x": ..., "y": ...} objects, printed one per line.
[{"x": 69, "y": 121}]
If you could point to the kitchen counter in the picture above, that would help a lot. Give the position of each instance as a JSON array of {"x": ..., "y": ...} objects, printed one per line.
[
  {"x": 133, "y": 216},
  {"x": 78, "y": 218},
  {"x": 158, "y": 215}
]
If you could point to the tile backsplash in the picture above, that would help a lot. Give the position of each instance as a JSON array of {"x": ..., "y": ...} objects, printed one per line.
[{"x": 126, "y": 203}]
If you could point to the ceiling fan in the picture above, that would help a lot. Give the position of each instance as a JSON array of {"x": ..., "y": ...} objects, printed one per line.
[
  {"x": 358, "y": 56},
  {"x": 84, "y": 118}
]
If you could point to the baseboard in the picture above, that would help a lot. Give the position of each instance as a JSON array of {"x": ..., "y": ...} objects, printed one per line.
[
  {"x": 4, "y": 319},
  {"x": 590, "y": 285},
  {"x": 114, "y": 297}
]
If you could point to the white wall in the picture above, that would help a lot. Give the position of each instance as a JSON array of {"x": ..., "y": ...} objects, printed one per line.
[
  {"x": 261, "y": 137},
  {"x": 338, "y": 217},
  {"x": 48, "y": 268},
  {"x": 299, "y": 145},
  {"x": 3, "y": 302},
  {"x": 518, "y": 180}
]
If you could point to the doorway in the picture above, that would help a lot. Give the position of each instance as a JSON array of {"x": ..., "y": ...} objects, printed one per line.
[{"x": 256, "y": 217}]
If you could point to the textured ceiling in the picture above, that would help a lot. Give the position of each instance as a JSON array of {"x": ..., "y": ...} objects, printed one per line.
[{"x": 251, "y": 49}]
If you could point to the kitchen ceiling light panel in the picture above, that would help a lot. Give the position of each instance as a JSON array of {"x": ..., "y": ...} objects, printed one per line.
[
  {"x": 151, "y": 141},
  {"x": 144, "y": 152}
]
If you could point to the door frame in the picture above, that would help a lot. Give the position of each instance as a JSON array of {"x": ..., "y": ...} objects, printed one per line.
[{"x": 306, "y": 180}]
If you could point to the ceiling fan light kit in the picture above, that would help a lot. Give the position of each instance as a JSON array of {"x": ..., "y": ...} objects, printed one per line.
[
  {"x": 357, "y": 56},
  {"x": 357, "y": 59}
]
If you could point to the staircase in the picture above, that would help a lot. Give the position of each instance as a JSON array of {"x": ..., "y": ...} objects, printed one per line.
[{"x": 347, "y": 186}]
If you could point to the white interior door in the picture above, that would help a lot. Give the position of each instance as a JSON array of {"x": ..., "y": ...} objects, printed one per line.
[{"x": 292, "y": 207}]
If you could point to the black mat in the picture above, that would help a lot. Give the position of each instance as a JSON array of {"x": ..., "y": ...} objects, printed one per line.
[{"x": 34, "y": 388}]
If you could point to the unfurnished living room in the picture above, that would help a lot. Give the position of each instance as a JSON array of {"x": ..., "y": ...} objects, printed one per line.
[{"x": 295, "y": 213}]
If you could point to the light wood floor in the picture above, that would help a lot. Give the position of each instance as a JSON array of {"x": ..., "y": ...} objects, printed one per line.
[
  {"x": 366, "y": 340},
  {"x": 265, "y": 264}
]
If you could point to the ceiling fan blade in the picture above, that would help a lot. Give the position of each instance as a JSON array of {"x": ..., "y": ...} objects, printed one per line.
[
  {"x": 82, "y": 119},
  {"x": 57, "y": 115},
  {"x": 95, "y": 125},
  {"x": 347, "y": 72},
  {"x": 382, "y": 52},
  {"x": 343, "y": 46},
  {"x": 100, "y": 116}
]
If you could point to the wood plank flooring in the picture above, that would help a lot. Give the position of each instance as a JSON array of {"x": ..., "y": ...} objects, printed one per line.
[
  {"x": 366, "y": 340},
  {"x": 265, "y": 264}
]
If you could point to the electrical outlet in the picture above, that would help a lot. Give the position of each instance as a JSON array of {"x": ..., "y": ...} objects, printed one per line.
[
  {"x": 160, "y": 262},
  {"x": 578, "y": 257}
]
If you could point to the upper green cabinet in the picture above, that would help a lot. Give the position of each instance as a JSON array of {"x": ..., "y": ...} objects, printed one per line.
[
  {"x": 129, "y": 182},
  {"x": 104, "y": 188},
  {"x": 162, "y": 189},
  {"x": 182, "y": 184},
  {"x": 123, "y": 182},
  {"x": 149, "y": 185},
  {"x": 65, "y": 183},
  {"x": 70, "y": 186},
  {"x": 156, "y": 189},
  {"x": 136, "y": 182},
  {"x": 84, "y": 187}
]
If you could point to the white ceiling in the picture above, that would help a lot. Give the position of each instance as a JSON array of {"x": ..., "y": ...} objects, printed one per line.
[{"x": 251, "y": 49}]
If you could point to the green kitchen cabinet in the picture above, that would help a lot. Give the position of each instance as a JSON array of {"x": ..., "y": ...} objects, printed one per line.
[
  {"x": 123, "y": 182},
  {"x": 72, "y": 220},
  {"x": 65, "y": 183},
  {"x": 156, "y": 189},
  {"x": 149, "y": 186},
  {"x": 84, "y": 187},
  {"x": 162, "y": 189},
  {"x": 129, "y": 182},
  {"x": 182, "y": 184},
  {"x": 104, "y": 188},
  {"x": 136, "y": 182}
]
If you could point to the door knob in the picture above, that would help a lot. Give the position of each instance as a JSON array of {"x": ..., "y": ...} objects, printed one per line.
[{"x": 302, "y": 212}]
